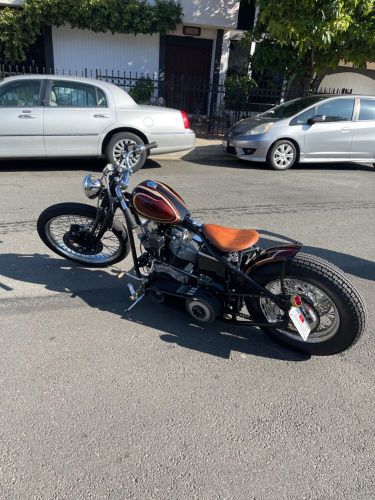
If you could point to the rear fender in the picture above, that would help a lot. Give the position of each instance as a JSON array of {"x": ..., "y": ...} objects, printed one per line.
[{"x": 272, "y": 255}]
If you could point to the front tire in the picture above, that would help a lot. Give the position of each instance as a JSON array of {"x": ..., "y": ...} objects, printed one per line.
[
  {"x": 54, "y": 228},
  {"x": 321, "y": 285},
  {"x": 282, "y": 155}
]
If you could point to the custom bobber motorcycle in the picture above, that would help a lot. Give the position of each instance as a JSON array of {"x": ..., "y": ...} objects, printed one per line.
[{"x": 220, "y": 273}]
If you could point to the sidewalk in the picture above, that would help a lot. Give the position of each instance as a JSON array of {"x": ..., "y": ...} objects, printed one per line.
[{"x": 204, "y": 148}]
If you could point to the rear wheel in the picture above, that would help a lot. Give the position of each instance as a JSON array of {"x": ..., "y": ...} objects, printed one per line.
[
  {"x": 118, "y": 144},
  {"x": 333, "y": 307},
  {"x": 65, "y": 229}
]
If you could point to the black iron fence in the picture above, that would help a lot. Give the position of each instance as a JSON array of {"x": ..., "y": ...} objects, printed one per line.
[{"x": 212, "y": 107}]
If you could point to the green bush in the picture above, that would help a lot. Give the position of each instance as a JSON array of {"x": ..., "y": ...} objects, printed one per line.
[
  {"x": 142, "y": 90},
  {"x": 237, "y": 90},
  {"x": 19, "y": 28}
]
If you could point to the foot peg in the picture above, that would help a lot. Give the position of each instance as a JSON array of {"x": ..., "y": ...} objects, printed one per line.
[
  {"x": 135, "y": 295},
  {"x": 121, "y": 274}
]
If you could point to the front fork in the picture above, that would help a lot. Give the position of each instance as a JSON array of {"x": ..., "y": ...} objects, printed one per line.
[{"x": 106, "y": 224}]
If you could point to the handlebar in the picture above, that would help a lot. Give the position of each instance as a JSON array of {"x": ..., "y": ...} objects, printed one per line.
[
  {"x": 124, "y": 168},
  {"x": 152, "y": 145},
  {"x": 138, "y": 148}
]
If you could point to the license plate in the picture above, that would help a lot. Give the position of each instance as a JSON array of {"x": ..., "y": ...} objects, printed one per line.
[{"x": 300, "y": 322}]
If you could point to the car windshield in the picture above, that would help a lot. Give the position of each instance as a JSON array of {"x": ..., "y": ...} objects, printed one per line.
[{"x": 290, "y": 108}]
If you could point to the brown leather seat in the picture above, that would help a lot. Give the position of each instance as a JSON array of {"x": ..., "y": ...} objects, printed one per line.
[{"x": 228, "y": 239}]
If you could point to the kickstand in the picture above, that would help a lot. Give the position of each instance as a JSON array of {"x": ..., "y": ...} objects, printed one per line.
[{"x": 135, "y": 296}]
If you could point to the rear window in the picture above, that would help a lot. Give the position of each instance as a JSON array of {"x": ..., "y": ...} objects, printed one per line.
[
  {"x": 68, "y": 94},
  {"x": 367, "y": 110}
]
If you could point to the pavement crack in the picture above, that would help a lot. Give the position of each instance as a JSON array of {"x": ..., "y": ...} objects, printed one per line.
[{"x": 263, "y": 209}]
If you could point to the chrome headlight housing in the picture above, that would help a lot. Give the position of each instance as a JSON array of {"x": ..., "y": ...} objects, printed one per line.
[
  {"x": 260, "y": 129},
  {"x": 92, "y": 186}
]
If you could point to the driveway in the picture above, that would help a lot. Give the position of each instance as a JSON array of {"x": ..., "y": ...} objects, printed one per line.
[{"x": 98, "y": 403}]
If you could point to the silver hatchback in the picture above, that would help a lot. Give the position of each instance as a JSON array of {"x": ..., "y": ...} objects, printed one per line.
[{"x": 313, "y": 129}]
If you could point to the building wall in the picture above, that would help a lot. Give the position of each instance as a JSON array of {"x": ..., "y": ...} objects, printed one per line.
[
  {"x": 75, "y": 50},
  {"x": 11, "y": 2},
  {"x": 359, "y": 82},
  {"x": 217, "y": 13}
]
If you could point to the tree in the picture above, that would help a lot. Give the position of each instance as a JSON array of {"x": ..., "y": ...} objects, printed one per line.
[
  {"x": 20, "y": 28},
  {"x": 304, "y": 37}
]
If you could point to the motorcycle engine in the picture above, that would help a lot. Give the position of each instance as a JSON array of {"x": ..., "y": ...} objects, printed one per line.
[
  {"x": 180, "y": 254},
  {"x": 184, "y": 244}
]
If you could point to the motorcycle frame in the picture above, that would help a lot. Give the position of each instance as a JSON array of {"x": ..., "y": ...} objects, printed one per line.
[
  {"x": 281, "y": 253},
  {"x": 114, "y": 198}
]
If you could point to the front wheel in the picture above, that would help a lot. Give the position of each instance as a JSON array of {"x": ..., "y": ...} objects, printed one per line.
[
  {"x": 336, "y": 309},
  {"x": 282, "y": 155},
  {"x": 65, "y": 229}
]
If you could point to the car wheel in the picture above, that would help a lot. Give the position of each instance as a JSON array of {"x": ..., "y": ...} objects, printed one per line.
[
  {"x": 282, "y": 155},
  {"x": 118, "y": 144}
]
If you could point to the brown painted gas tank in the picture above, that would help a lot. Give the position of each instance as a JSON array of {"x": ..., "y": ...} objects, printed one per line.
[{"x": 156, "y": 201}]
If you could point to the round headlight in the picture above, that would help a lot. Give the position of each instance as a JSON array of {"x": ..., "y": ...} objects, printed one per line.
[{"x": 92, "y": 186}]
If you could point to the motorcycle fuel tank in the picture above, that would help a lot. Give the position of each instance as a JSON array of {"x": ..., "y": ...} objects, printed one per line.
[{"x": 156, "y": 201}]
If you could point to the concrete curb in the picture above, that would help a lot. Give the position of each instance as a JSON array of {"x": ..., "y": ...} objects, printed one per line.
[{"x": 204, "y": 148}]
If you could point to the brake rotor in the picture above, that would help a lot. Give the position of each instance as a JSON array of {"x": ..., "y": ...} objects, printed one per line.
[{"x": 78, "y": 243}]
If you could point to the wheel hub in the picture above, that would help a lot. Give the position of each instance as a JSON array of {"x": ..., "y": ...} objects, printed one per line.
[
  {"x": 78, "y": 241},
  {"x": 316, "y": 306}
]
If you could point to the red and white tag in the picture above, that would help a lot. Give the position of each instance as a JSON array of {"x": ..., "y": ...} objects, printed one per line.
[{"x": 299, "y": 321}]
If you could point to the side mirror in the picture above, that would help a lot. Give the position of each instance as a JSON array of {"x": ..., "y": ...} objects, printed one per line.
[{"x": 316, "y": 119}]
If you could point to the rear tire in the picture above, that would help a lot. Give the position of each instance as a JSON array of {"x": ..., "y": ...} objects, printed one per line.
[
  {"x": 116, "y": 145},
  {"x": 79, "y": 213},
  {"x": 317, "y": 273}
]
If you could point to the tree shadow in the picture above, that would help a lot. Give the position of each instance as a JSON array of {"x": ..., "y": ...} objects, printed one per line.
[{"x": 105, "y": 292}]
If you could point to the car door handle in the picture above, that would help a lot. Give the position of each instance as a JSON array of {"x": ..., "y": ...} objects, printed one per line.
[
  {"x": 101, "y": 116},
  {"x": 26, "y": 114},
  {"x": 345, "y": 129}
]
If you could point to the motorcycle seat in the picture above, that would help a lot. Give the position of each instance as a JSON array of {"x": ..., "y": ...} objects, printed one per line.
[{"x": 228, "y": 239}]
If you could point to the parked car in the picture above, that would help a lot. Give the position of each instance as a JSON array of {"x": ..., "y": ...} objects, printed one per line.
[
  {"x": 317, "y": 129},
  {"x": 60, "y": 116}
]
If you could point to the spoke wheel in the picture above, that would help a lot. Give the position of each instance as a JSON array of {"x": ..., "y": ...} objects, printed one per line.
[
  {"x": 319, "y": 310},
  {"x": 59, "y": 235},
  {"x": 331, "y": 304},
  {"x": 65, "y": 229}
]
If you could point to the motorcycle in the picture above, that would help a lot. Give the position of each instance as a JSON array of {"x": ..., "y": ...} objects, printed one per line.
[{"x": 221, "y": 273}]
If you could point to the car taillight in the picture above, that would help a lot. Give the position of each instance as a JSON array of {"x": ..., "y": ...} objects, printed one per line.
[{"x": 185, "y": 119}]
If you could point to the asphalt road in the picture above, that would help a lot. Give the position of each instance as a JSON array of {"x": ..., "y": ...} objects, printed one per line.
[{"x": 97, "y": 403}]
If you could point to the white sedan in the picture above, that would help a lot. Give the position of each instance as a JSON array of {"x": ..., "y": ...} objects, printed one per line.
[{"x": 60, "y": 116}]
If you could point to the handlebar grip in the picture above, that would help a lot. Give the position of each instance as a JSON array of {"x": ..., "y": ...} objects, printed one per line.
[
  {"x": 130, "y": 218},
  {"x": 152, "y": 145}
]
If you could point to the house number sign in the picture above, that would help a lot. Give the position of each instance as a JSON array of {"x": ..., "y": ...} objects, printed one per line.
[{"x": 191, "y": 30}]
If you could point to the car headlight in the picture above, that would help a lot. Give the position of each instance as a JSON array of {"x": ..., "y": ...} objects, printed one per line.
[
  {"x": 92, "y": 186},
  {"x": 260, "y": 129}
]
